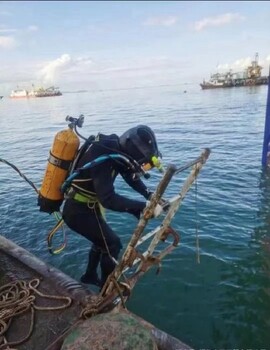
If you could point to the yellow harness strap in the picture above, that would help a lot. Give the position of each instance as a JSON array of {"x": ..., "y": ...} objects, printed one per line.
[{"x": 90, "y": 201}]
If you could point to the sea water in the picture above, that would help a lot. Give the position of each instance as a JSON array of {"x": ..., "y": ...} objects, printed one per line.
[{"x": 211, "y": 295}]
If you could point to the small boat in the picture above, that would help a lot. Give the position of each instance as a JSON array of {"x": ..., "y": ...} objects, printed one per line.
[
  {"x": 1, "y": 97},
  {"x": 19, "y": 93}
]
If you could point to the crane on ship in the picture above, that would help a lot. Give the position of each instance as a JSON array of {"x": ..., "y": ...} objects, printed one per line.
[{"x": 254, "y": 70}]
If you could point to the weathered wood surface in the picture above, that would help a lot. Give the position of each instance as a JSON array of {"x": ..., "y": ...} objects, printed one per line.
[{"x": 51, "y": 327}]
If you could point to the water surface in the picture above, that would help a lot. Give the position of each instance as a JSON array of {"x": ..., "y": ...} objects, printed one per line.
[{"x": 223, "y": 302}]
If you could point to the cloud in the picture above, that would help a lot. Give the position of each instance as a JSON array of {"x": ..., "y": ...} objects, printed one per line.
[
  {"x": 8, "y": 30},
  {"x": 7, "y": 42},
  {"x": 5, "y": 29},
  {"x": 241, "y": 64},
  {"x": 32, "y": 28},
  {"x": 51, "y": 71},
  {"x": 161, "y": 21},
  {"x": 217, "y": 21}
]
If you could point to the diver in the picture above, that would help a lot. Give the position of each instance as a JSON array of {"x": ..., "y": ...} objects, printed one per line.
[{"x": 93, "y": 190}]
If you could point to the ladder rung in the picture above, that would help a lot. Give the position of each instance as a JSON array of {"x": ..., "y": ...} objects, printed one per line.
[{"x": 136, "y": 261}]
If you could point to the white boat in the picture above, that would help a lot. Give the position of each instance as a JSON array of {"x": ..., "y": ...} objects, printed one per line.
[{"x": 20, "y": 93}]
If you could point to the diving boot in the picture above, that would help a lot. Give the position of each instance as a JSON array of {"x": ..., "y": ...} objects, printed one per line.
[
  {"x": 107, "y": 266},
  {"x": 91, "y": 276},
  {"x": 91, "y": 279}
]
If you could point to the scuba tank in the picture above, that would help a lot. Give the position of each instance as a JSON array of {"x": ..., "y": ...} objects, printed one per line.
[
  {"x": 64, "y": 157},
  {"x": 63, "y": 152}
]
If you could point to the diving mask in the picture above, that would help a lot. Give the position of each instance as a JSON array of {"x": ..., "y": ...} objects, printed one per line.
[{"x": 155, "y": 162}]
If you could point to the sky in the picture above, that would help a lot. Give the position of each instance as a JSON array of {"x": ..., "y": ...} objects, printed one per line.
[{"x": 89, "y": 45}]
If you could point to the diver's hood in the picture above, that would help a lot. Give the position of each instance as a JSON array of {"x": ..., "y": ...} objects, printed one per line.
[{"x": 140, "y": 143}]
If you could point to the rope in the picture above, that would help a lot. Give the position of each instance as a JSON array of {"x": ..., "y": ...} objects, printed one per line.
[
  {"x": 17, "y": 298},
  {"x": 92, "y": 307},
  {"x": 20, "y": 173},
  {"x": 60, "y": 223},
  {"x": 196, "y": 218},
  {"x": 103, "y": 237}
]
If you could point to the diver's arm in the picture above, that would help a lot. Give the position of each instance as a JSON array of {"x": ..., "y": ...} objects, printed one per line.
[
  {"x": 137, "y": 184},
  {"x": 104, "y": 188}
]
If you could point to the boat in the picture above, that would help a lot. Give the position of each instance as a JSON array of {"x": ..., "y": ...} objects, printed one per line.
[
  {"x": 51, "y": 325},
  {"x": 51, "y": 91},
  {"x": 1, "y": 97},
  {"x": 19, "y": 93},
  {"x": 251, "y": 76},
  {"x": 40, "y": 92}
]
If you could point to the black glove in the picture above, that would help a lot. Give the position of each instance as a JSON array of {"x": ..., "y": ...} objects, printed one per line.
[{"x": 148, "y": 196}]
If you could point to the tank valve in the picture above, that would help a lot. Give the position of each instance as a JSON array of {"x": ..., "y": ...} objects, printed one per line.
[{"x": 75, "y": 121}]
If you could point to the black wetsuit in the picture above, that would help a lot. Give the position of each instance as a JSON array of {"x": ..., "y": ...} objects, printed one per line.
[{"x": 87, "y": 219}]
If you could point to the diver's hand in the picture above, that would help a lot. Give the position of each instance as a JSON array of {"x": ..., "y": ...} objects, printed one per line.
[
  {"x": 136, "y": 213},
  {"x": 165, "y": 204},
  {"x": 157, "y": 211}
]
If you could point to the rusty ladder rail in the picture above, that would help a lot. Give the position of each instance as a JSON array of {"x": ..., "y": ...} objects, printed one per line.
[{"x": 129, "y": 259}]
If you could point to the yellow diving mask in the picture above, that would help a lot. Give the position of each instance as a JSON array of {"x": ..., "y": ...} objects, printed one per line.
[{"x": 155, "y": 162}]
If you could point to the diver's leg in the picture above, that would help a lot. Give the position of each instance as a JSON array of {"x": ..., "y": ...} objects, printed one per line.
[
  {"x": 83, "y": 220},
  {"x": 91, "y": 224},
  {"x": 90, "y": 276},
  {"x": 112, "y": 250}
]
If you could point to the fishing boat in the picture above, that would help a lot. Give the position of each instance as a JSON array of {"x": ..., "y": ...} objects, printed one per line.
[
  {"x": 40, "y": 92},
  {"x": 51, "y": 91},
  {"x": 249, "y": 77}
]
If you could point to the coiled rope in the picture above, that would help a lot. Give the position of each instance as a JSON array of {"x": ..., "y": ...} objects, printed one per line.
[{"x": 17, "y": 298}]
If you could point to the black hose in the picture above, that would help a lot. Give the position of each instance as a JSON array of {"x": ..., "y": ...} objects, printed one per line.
[{"x": 21, "y": 174}]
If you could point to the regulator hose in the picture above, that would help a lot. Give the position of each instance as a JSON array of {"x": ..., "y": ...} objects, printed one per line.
[{"x": 91, "y": 164}]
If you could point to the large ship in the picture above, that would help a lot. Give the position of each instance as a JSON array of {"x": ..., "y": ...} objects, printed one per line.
[
  {"x": 40, "y": 92},
  {"x": 51, "y": 91},
  {"x": 251, "y": 76}
]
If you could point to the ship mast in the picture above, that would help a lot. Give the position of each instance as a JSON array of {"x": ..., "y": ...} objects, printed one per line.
[{"x": 254, "y": 71}]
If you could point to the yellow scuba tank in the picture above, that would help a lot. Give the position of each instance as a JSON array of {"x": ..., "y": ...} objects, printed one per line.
[{"x": 63, "y": 152}]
